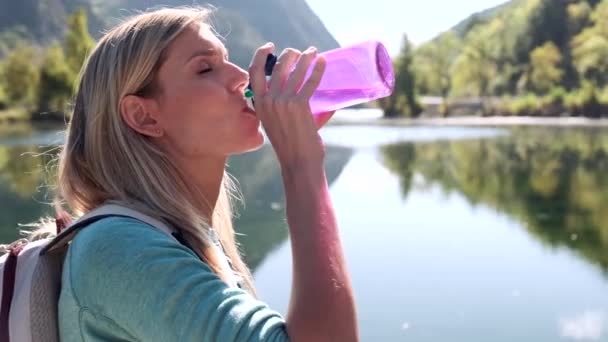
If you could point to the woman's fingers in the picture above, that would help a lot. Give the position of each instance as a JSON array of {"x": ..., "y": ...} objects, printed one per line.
[
  {"x": 313, "y": 81},
  {"x": 281, "y": 70},
  {"x": 297, "y": 76},
  {"x": 285, "y": 113},
  {"x": 283, "y": 79},
  {"x": 257, "y": 77}
]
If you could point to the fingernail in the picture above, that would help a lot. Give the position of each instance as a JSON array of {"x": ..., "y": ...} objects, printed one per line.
[{"x": 269, "y": 44}]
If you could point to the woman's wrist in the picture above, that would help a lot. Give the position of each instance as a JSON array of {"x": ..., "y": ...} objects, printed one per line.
[{"x": 303, "y": 174}]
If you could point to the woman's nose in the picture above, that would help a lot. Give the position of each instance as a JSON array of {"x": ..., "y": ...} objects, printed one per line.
[{"x": 239, "y": 79}]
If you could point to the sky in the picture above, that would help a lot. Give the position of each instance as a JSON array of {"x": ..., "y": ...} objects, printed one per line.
[{"x": 352, "y": 21}]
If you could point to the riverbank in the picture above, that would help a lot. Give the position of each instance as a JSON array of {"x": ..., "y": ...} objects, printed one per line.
[
  {"x": 13, "y": 115},
  {"x": 21, "y": 116},
  {"x": 10, "y": 119},
  {"x": 374, "y": 117}
]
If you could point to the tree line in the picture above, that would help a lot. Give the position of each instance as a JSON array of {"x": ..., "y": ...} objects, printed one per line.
[
  {"x": 530, "y": 57},
  {"x": 40, "y": 81}
]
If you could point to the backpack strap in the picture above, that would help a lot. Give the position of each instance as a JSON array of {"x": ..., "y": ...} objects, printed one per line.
[
  {"x": 106, "y": 210},
  {"x": 8, "y": 288}
]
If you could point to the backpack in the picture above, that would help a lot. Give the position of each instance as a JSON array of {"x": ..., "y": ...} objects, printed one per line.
[{"x": 30, "y": 278}]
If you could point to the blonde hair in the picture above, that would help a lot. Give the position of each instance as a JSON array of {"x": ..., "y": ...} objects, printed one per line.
[{"x": 104, "y": 159}]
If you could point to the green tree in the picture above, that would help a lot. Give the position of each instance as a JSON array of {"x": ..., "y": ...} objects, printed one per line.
[
  {"x": 579, "y": 16},
  {"x": 3, "y": 96},
  {"x": 476, "y": 67},
  {"x": 21, "y": 76},
  {"x": 545, "y": 67},
  {"x": 55, "y": 87},
  {"x": 11, "y": 38},
  {"x": 549, "y": 23},
  {"x": 78, "y": 41},
  {"x": 433, "y": 65},
  {"x": 590, "y": 48},
  {"x": 403, "y": 101},
  {"x": 3, "y": 99},
  {"x": 502, "y": 44}
]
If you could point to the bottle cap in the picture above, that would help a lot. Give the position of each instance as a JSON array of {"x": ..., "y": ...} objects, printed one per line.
[{"x": 271, "y": 60}]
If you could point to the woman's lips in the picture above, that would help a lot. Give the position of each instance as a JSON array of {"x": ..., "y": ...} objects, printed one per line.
[{"x": 249, "y": 111}]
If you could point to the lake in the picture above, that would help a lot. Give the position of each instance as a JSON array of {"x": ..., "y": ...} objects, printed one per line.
[{"x": 450, "y": 233}]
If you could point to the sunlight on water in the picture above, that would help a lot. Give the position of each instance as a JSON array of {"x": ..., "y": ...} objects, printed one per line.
[
  {"x": 588, "y": 326},
  {"x": 369, "y": 136},
  {"x": 356, "y": 115},
  {"x": 44, "y": 138}
]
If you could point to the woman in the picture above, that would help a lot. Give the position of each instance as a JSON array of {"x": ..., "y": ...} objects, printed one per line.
[{"x": 158, "y": 111}]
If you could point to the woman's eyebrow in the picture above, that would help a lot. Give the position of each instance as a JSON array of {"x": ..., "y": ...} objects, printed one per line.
[{"x": 209, "y": 52}]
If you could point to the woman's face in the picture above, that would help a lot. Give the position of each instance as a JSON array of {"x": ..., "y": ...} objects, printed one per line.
[{"x": 200, "y": 104}]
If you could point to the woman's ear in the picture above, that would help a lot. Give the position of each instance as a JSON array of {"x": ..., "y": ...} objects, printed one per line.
[{"x": 136, "y": 112}]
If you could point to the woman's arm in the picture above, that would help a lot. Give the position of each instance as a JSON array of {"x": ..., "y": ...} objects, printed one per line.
[{"x": 321, "y": 305}]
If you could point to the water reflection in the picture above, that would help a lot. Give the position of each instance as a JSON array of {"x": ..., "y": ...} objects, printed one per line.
[
  {"x": 552, "y": 180},
  {"x": 261, "y": 223},
  {"x": 22, "y": 173}
]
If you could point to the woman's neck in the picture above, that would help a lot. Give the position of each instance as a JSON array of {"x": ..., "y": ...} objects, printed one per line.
[{"x": 205, "y": 175}]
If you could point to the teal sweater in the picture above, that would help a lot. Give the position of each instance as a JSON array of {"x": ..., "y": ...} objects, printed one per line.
[{"x": 123, "y": 280}]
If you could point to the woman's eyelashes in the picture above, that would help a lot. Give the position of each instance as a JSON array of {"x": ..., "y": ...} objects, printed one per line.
[{"x": 205, "y": 70}]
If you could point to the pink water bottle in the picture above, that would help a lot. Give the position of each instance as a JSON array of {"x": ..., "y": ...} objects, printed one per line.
[{"x": 355, "y": 74}]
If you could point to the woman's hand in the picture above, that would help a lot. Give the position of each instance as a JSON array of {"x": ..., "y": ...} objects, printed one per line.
[{"x": 282, "y": 105}]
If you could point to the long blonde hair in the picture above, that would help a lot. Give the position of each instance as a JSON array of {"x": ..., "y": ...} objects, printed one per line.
[{"x": 104, "y": 159}]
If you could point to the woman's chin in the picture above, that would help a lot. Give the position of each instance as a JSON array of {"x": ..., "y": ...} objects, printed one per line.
[
  {"x": 259, "y": 142},
  {"x": 254, "y": 144}
]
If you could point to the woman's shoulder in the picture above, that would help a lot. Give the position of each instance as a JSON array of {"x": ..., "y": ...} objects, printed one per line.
[
  {"x": 115, "y": 232},
  {"x": 118, "y": 237},
  {"x": 122, "y": 238},
  {"x": 117, "y": 249},
  {"x": 140, "y": 279}
]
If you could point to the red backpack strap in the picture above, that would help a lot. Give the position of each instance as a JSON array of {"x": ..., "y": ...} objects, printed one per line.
[
  {"x": 8, "y": 288},
  {"x": 62, "y": 220}
]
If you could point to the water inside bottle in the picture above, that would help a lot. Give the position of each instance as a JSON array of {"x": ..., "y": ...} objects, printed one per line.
[{"x": 325, "y": 100}]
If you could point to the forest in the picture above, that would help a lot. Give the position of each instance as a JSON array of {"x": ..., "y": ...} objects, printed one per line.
[{"x": 526, "y": 57}]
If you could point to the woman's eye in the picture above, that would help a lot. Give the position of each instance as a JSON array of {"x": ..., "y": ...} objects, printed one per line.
[{"x": 205, "y": 70}]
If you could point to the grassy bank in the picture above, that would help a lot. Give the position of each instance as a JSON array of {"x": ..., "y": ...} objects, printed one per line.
[
  {"x": 13, "y": 115},
  {"x": 585, "y": 102},
  {"x": 20, "y": 115}
]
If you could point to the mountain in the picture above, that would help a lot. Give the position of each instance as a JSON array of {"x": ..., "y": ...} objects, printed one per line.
[
  {"x": 245, "y": 24},
  {"x": 463, "y": 27}
]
